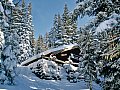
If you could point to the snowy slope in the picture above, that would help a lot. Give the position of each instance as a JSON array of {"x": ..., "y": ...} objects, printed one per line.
[{"x": 28, "y": 81}]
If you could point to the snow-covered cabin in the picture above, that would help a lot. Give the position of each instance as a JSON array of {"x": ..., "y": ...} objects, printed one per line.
[{"x": 61, "y": 54}]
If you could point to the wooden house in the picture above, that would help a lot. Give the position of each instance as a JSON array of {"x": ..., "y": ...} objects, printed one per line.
[{"x": 61, "y": 55}]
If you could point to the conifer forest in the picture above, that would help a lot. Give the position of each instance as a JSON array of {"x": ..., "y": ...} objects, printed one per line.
[{"x": 69, "y": 56}]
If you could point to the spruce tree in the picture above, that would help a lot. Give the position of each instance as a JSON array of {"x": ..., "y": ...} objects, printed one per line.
[
  {"x": 32, "y": 43},
  {"x": 40, "y": 47},
  {"x": 50, "y": 44},
  {"x": 31, "y": 31},
  {"x": 2, "y": 41},
  {"x": 64, "y": 30},
  {"x": 9, "y": 60},
  {"x": 1, "y": 33},
  {"x": 58, "y": 31},
  {"x": 69, "y": 27},
  {"x": 25, "y": 32},
  {"x": 15, "y": 26},
  {"x": 105, "y": 12},
  {"x": 65, "y": 24},
  {"x": 52, "y": 33},
  {"x": 87, "y": 61},
  {"x": 46, "y": 41}
]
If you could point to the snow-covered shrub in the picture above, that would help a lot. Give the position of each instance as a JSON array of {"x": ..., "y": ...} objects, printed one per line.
[
  {"x": 71, "y": 77},
  {"x": 45, "y": 69},
  {"x": 2, "y": 75},
  {"x": 71, "y": 71}
]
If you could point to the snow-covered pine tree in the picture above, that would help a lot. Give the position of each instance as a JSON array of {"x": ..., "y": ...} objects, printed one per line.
[
  {"x": 1, "y": 31},
  {"x": 9, "y": 53},
  {"x": 49, "y": 40},
  {"x": 8, "y": 66},
  {"x": 69, "y": 27},
  {"x": 31, "y": 31},
  {"x": 24, "y": 33},
  {"x": 43, "y": 46},
  {"x": 73, "y": 33},
  {"x": 52, "y": 33},
  {"x": 27, "y": 30},
  {"x": 105, "y": 12},
  {"x": 65, "y": 24},
  {"x": 58, "y": 31},
  {"x": 2, "y": 72},
  {"x": 40, "y": 47},
  {"x": 1, "y": 41},
  {"x": 110, "y": 68},
  {"x": 50, "y": 43},
  {"x": 64, "y": 30},
  {"x": 32, "y": 43},
  {"x": 21, "y": 33},
  {"x": 87, "y": 65},
  {"x": 46, "y": 41},
  {"x": 15, "y": 27}
]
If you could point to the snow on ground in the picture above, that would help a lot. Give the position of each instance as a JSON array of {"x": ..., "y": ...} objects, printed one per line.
[{"x": 28, "y": 81}]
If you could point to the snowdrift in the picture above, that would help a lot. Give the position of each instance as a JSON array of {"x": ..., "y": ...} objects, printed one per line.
[{"x": 26, "y": 80}]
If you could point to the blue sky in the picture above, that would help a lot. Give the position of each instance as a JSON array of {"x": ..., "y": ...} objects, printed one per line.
[{"x": 43, "y": 12}]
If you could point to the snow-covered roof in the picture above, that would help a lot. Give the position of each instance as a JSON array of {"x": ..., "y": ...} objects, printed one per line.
[
  {"x": 32, "y": 59},
  {"x": 60, "y": 48}
]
